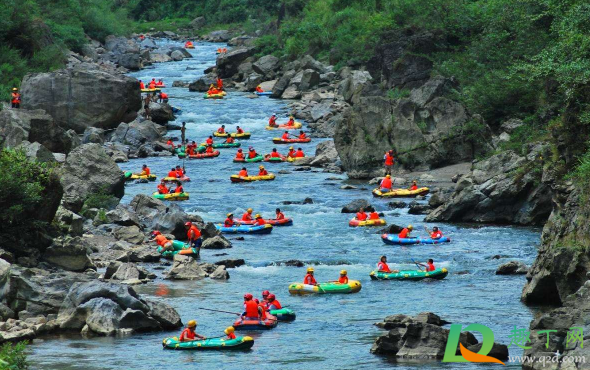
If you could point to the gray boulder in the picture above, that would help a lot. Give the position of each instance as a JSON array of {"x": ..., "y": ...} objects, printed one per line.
[
  {"x": 147, "y": 207},
  {"x": 512, "y": 268},
  {"x": 198, "y": 23},
  {"x": 93, "y": 135},
  {"x": 291, "y": 92},
  {"x": 177, "y": 55},
  {"x": 253, "y": 80},
  {"x": 218, "y": 36},
  {"x": 186, "y": 268},
  {"x": 37, "y": 152},
  {"x": 131, "y": 61},
  {"x": 282, "y": 84},
  {"x": 82, "y": 96},
  {"x": 89, "y": 170},
  {"x": 168, "y": 318},
  {"x": 123, "y": 216},
  {"x": 161, "y": 113},
  {"x": 202, "y": 83},
  {"x": 126, "y": 271},
  {"x": 266, "y": 66},
  {"x": 356, "y": 205},
  {"x": 148, "y": 43},
  {"x": 228, "y": 63},
  {"x": 309, "y": 80},
  {"x": 70, "y": 221},
  {"x": 69, "y": 253},
  {"x": 325, "y": 153},
  {"x": 220, "y": 273},
  {"x": 354, "y": 84},
  {"x": 131, "y": 234},
  {"x": 216, "y": 242},
  {"x": 137, "y": 133},
  {"x": 121, "y": 45}
]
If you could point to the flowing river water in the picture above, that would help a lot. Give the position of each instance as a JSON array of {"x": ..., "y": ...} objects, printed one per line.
[{"x": 331, "y": 331}]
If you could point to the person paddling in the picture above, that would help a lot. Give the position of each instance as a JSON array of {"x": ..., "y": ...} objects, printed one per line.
[
  {"x": 229, "y": 331},
  {"x": 145, "y": 171},
  {"x": 299, "y": 153},
  {"x": 343, "y": 277},
  {"x": 230, "y": 140},
  {"x": 386, "y": 184},
  {"x": 361, "y": 215},
  {"x": 229, "y": 221},
  {"x": 259, "y": 220},
  {"x": 280, "y": 215},
  {"x": 382, "y": 266},
  {"x": 221, "y": 130},
  {"x": 272, "y": 121},
  {"x": 162, "y": 189},
  {"x": 309, "y": 279},
  {"x": 291, "y": 122},
  {"x": 263, "y": 171},
  {"x": 251, "y": 309},
  {"x": 374, "y": 215},
  {"x": 179, "y": 189},
  {"x": 405, "y": 233},
  {"x": 435, "y": 233},
  {"x": 273, "y": 304},
  {"x": 243, "y": 172},
  {"x": 429, "y": 265},
  {"x": 291, "y": 153},
  {"x": 240, "y": 154},
  {"x": 414, "y": 186},
  {"x": 189, "y": 334},
  {"x": 286, "y": 136},
  {"x": 302, "y": 135},
  {"x": 247, "y": 216}
]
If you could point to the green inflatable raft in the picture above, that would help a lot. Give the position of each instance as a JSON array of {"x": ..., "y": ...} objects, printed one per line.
[
  {"x": 258, "y": 158},
  {"x": 437, "y": 274},
  {"x": 353, "y": 286},
  {"x": 202, "y": 148},
  {"x": 179, "y": 247},
  {"x": 240, "y": 343},
  {"x": 284, "y": 314}
]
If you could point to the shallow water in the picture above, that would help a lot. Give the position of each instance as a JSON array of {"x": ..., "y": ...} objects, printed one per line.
[{"x": 330, "y": 331}]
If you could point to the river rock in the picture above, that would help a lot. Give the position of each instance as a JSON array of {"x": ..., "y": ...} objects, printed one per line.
[
  {"x": 227, "y": 63},
  {"x": 253, "y": 80},
  {"x": 36, "y": 152},
  {"x": 137, "y": 133},
  {"x": 81, "y": 97},
  {"x": 89, "y": 170},
  {"x": 121, "y": 45},
  {"x": 218, "y": 36},
  {"x": 171, "y": 221},
  {"x": 220, "y": 273},
  {"x": 159, "y": 57},
  {"x": 93, "y": 135},
  {"x": 131, "y": 234},
  {"x": 418, "y": 208},
  {"x": 162, "y": 312},
  {"x": 198, "y": 23},
  {"x": 202, "y": 83},
  {"x": 126, "y": 271},
  {"x": 325, "y": 153},
  {"x": 230, "y": 263},
  {"x": 161, "y": 113},
  {"x": 142, "y": 253},
  {"x": 353, "y": 84},
  {"x": 176, "y": 55},
  {"x": 309, "y": 80},
  {"x": 266, "y": 66},
  {"x": 69, "y": 253},
  {"x": 356, "y": 205},
  {"x": 391, "y": 229},
  {"x": 397, "y": 204},
  {"x": 216, "y": 242},
  {"x": 131, "y": 61},
  {"x": 512, "y": 268},
  {"x": 147, "y": 207},
  {"x": 282, "y": 84},
  {"x": 123, "y": 216},
  {"x": 186, "y": 268}
]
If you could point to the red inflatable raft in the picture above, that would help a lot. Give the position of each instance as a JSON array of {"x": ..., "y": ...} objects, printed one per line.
[
  {"x": 204, "y": 155},
  {"x": 247, "y": 324},
  {"x": 283, "y": 222}
]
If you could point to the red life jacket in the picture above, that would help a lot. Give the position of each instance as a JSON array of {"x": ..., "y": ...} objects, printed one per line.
[
  {"x": 382, "y": 266},
  {"x": 272, "y": 121},
  {"x": 251, "y": 308},
  {"x": 388, "y": 159},
  {"x": 172, "y": 174},
  {"x": 228, "y": 222},
  {"x": 179, "y": 190},
  {"x": 436, "y": 234},
  {"x": 285, "y": 136},
  {"x": 163, "y": 95},
  {"x": 141, "y": 85},
  {"x": 252, "y": 154},
  {"x": 275, "y": 155},
  {"x": 386, "y": 183},
  {"x": 430, "y": 267},
  {"x": 262, "y": 173},
  {"x": 280, "y": 216},
  {"x": 404, "y": 233},
  {"x": 343, "y": 280},
  {"x": 187, "y": 334},
  {"x": 246, "y": 217},
  {"x": 147, "y": 171},
  {"x": 374, "y": 216},
  {"x": 239, "y": 155},
  {"x": 299, "y": 154},
  {"x": 276, "y": 304},
  {"x": 361, "y": 216},
  {"x": 195, "y": 230},
  {"x": 309, "y": 279},
  {"x": 243, "y": 173}
]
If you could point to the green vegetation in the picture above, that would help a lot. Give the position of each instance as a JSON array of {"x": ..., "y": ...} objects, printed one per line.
[
  {"x": 13, "y": 357},
  {"x": 101, "y": 201}
]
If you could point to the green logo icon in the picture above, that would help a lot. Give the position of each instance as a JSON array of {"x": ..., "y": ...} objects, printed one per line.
[{"x": 467, "y": 355}]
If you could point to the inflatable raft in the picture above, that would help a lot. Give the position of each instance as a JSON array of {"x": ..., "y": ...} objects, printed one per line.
[
  {"x": 284, "y": 314},
  {"x": 278, "y": 140},
  {"x": 258, "y": 158},
  {"x": 264, "y": 93},
  {"x": 437, "y": 274},
  {"x": 240, "y": 343},
  {"x": 184, "y": 178},
  {"x": 215, "y": 96},
  {"x": 202, "y": 147},
  {"x": 400, "y": 193},
  {"x": 242, "y": 136},
  {"x": 353, "y": 286},
  {"x": 204, "y": 155},
  {"x": 245, "y": 324},
  {"x": 294, "y": 159},
  {"x": 275, "y": 159},
  {"x": 296, "y": 126},
  {"x": 354, "y": 223},
  {"x": 283, "y": 222},
  {"x": 396, "y": 240},
  {"x": 245, "y": 229},
  {"x": 130, "y": 177},
  {"x": 236, "y": 178},
  {"x": 150, "y": 90},
  {"x": 179, "y": 248},
  {"x": 171, "y": 196}
]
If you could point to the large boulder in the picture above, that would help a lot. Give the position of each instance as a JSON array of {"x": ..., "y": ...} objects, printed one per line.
[
  {"x": 228, "y": 63},
  {"x": 130, "y": 61},
  {"x": 171, "y": 221},
  {"x": 177, "y": 55},
  {"x": 198, "y": 23},
  {"x": 69, "y": 253},
  {"x": 186, "y": 268},
  {"x": 89, "y": 170},
  {"x": 309, "y": 80},
  {"x": 147, "y": 207},
  {"x": 512, "y": 268},
  {"x": 353, "y": 84},
  {"x": 202, "y": 83},
  {"x": 137, "y": 133},
  {"x": 37, "y": 152},
  {"x": 355, "y": 205},
  {"x": 218, "y": 36},
  {"x": 161, "y": 113},
  {"x": 325, "y": 153},
  {"x": 121, "y": 45},
  {"x": 130, "y": 234},
  {"x": 126, "y": 271},
  {"x": 282, "y": 84},
  {"x": 82, "y": 96},
  {"x": 216, "y": 242},
  {"x": 253, "y": 80},
  {"x": 266, "y": 66}
]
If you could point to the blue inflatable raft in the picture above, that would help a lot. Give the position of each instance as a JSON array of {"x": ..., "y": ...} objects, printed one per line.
[
  {"x": 395, "y": 240},
  {"x": 266, "y": 93},
  {"x": 245, "y": 229}
]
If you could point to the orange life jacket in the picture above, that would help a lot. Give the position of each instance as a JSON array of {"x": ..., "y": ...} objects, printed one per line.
[
  {"x": 343, "y": 280},
  {"x": 251, "y": 308},
  {"x": 361, "y": 216},
  {"x": 243, "y": 173},
  {"x": 388, "y": 160},
  {"x": 299, "y": 154},
  {"x": 193, "y": 231}
]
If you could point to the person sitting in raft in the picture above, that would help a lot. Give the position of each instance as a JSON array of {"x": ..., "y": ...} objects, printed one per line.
[
  {"x": 209, "y": 140},
  {"x": 179, "y": 172},
  {"x": 435, "y": 233},
  {"x": 160, "y": 83},
  {"x": 361, "y": 215},
  {"x": 414, "y": 186},
  {"x": 190, "y": 149},
  {"x": 162, "y": 189},
  {"x": 209, "y": 149},
  {"x": 172, "y": 172},
  {"x": 152, "y": 84},
  {"x": 239, "y": 130},
  {"x": 243, "y": 172},
  {"x": 263, "y": 171},
  {"x": 259, "y": 89},
  {"x": 188, "y": 44},
  {"x": 299, "y": 153},
  {"x": 429, "y": 265},
  {"x": 275, "y": 153},
  {"x": 405, "y": 233},
  {"x": 162, "y": 241},
  {"x": 272, "y": 121},
  {"x": 291, "y": 153},
  {"x": 280, "y": 215},
  {"x": 286, "y": 136},
  {"x": 291, "y": 121},
  {"x": 219, "y": 83},
  {"x": 230, "y": 140},
  {"x": 265, "y": 294},
  {"x": 247, "y": 216},
  {"x": 193, "y": 235},
  {"x": 141, "y": 85},
  {"x": 221, "y": 130},
  {"x": 374, "y": 215},
  {"x": 239, "y": 154},
  {"x": 302, "y": 135},
  {"x": 229, "y": 331},
  {"x": 251, "y": 308},
  {"x": 163, "y": 97},
  {"x": 189, "y": 334},
  {"x": 262, "y": 309},
  {"x": 272, "y": 303},
  {"x": 169, "y": 142},
  {"x": 343, "y": 278},
  {"x": 382, "y": 265},
  {"x": 386, "y": 184},
  {"x": 259, "y": 220},
  {"x": 178, "y": 188},
  {"x": 213, "y": 90},
  {"x": 252, "y": 153},
  {"x": 229, "y": 221},
  {"x": 145, "y": 171},
  {"x": 309, "y": 279}
]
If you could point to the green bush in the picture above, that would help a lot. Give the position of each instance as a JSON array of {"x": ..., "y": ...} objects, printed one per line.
[
  {"x": 100, "y": 200},
  {"x": 13, "y": 357}
]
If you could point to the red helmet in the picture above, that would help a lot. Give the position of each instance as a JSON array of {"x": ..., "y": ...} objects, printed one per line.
[
  {"x": 156, "y": 232},
  {"x": 188, "y": 223},
  {"x": 271, "y": 297},
  {"x": 256, "y": 300},
  {"x": 248, "y": 296},
  {"x": 265, "y": 293}
]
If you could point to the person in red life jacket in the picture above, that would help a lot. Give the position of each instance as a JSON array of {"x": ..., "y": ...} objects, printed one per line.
[
  {"x": 272, "y": 121},
  {"x": 142, "y": 37},
  {"x": 189, "y": 334},
  {"x": 435, "y": 233},
  {"x": 247, "y": 216},
  {"x": 145, "y": 171},
  {"x": 172, "y": 172},
  {"x": 261, "y": 308},
  {"x": 405, "y": 233},
  {"x": 162, "y": 241},
  {"x": 302, "y": 135},
  {"x": 414, "y": 186},
  {"x": 291, "y": 153},
  {"x": 163, "y": 97},
  {"x": 262, "y": 172},
  {"x": 286, "y": 136},
  {"x": 15, "y": 98},
  {"x": 343, "y": 278},
  {"x": 188, "y": 44},
  {"x": 209, "y": 149},
  {"x": 382, "y": 265},
  {"x": 280, "y": 215},
  {"x": 221, "y": 130},
  {"x": 389, "y": 161},
  {"x": 193, "y": 235},
  {"x": 162, "y": 189},
  {"x": 259, "y": 89},
  {"x": 230, "y": 140},
  {"x": 259, "y": 220},
  {"x": 275, "y": 154},
  {"x": 213, "y": 90},
  {"x": 141, "y": 85},
  {"x": 291, "y": 121},
  {"x": 374, "y": 215},
  {"x": 309, "y": 279},
  {"x": 251, "y": 308},
  {"x": 229, "y": 331},
  {"x": 229, "y": 221},
  {"x": 179, "y": 172},
  {"x": 239, "y": 130},
  {"x": 243, "y": 173},
  {"x": 386, "y": 184},
  {"x": 265, "y": 294},
  {"x": 429, "y": 265},
  {"x": 361, "y": 215},
  {"x": 160, "y": 83},
  {"x": 190, "y": 149},
  {"x": 209, "y": 140},
  {"x": 240, "y": 154},
  {"x": 272, "y": 303},
  {"x": 219, "y": 83},
  {"x": 299, "y": 153},
  {"x": 153, "y": 83},
  {"x": 178, "y": 188},
  {"x": 252, "y": 153},
  {"x": 169, "y": 142}
]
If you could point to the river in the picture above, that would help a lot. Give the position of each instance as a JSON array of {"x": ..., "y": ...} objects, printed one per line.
[{"x": 330, "y": 331}]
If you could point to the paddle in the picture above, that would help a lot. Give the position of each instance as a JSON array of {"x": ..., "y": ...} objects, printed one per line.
[
  {"x": 416, "y": 263},
  {"x": 209, "y": 309}
]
